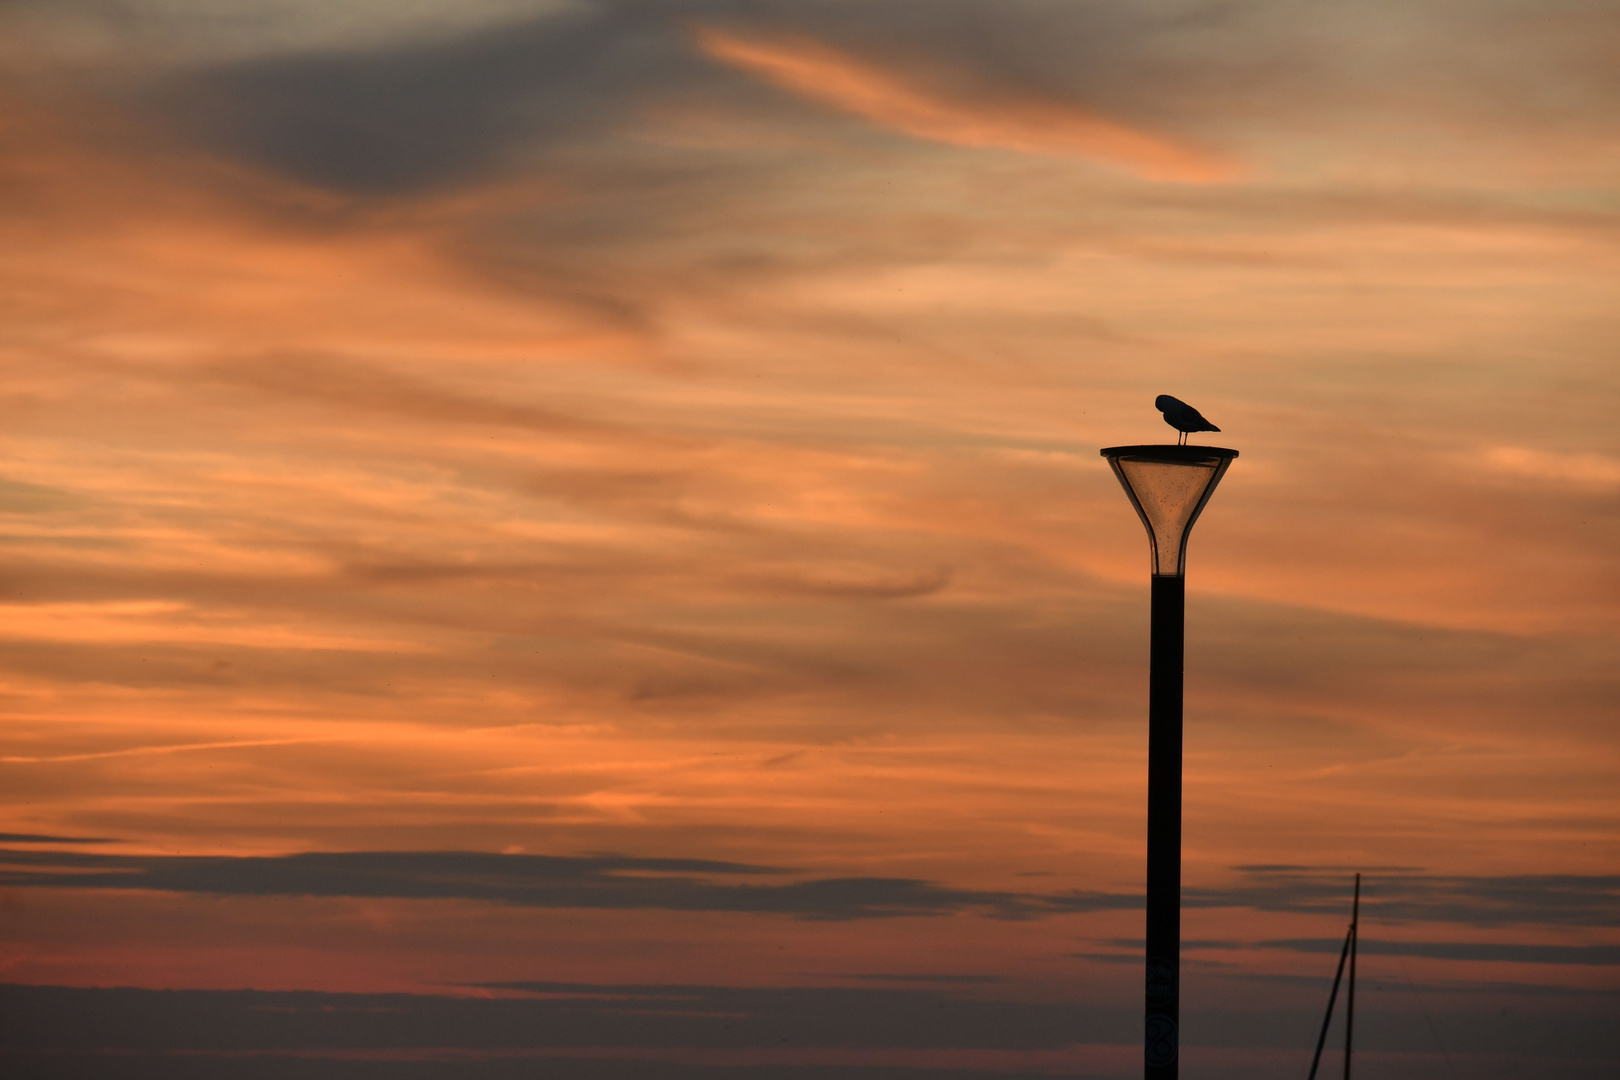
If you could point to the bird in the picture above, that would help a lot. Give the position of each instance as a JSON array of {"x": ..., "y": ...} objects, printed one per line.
[{"x": 1182, "y": 416}]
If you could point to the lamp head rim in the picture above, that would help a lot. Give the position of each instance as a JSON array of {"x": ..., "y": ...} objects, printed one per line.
[{"x": 1170, "y": 454}]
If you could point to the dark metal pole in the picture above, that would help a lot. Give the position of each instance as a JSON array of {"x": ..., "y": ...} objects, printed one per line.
[
  {"x": 1327, "y": 1018},
  {"x": 1350, "y": 999},
  {"x": 1161, "y": 1043}
]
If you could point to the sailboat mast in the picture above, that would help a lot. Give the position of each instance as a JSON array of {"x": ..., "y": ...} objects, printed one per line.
[
  {"x": 1327, "y": 1019},
  {"x": 1350, "y": 997}
]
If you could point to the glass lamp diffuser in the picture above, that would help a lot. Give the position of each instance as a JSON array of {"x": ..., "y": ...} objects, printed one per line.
[{"x": 1169, "y": 486}]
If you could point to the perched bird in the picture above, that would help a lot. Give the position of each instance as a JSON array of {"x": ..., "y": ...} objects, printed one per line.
[{"x": 1182, "y": 416}]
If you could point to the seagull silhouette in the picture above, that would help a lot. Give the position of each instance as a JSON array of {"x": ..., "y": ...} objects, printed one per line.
[{"x": 1182, "y": 416}]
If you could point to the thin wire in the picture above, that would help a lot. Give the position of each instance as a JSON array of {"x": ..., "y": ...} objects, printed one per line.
[{"x": 1433, "y": 1031}]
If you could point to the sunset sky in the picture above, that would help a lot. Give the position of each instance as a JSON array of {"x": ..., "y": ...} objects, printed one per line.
[{"x": 575, "y": 528}]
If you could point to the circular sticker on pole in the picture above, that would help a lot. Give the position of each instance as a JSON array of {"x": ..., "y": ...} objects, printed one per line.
[
  {"x": 1161, "y": 981},
  {"x": 1161, "y": 1041}
]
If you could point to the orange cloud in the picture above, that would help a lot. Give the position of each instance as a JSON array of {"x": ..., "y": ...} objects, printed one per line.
[
  {"x": 332, "y": 523},
  {"x": 1010, "y": 122},
  {"x": 1597, "y": 472}
]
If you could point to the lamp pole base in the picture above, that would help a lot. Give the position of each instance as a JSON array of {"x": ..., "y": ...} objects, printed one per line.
[{"x": 1161, "y": 1046}]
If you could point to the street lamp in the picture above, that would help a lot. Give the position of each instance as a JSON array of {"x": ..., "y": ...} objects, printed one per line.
[{"x": 1169, "y": 486}]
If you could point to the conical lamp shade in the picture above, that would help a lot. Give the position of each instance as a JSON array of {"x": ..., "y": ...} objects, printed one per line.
[{"x": 1169, "y": 486}]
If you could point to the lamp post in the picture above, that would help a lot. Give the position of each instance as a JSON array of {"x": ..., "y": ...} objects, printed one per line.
[{"x": 1168, "y": 486}]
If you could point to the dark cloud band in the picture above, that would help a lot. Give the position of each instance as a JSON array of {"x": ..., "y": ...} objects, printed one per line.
[
  {"x": 651, "y": 1028},
  {"x": 621, "y": 882},
  {"x": 593, "y": 881}
]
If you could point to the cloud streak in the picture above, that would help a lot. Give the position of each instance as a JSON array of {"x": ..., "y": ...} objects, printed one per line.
[
  {"x": 1003, "y": 121},
  {"x": 1486, "y": 951},
  {"x": 617, "y": 882},
  {"x": 1374, "y": 943},
  {"x": 1396, "y": 895},
  {"x": 600, "y": 882}
]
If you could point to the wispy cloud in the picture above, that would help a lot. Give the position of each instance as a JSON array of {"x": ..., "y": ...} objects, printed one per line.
[
  {"x": 1374, "y": 942},
  {"x": 602, "y": 881},
  {"x": 144, "y": 751},
  {"x": 553, "y": 428},
  {"x": 1486, "y": 900},
  {"x": 1485, "y": 951},
  {"x": 618, "y": 882},
  {"x": 1006, "y": 121},
  {"x": 114, "y": 622},
  {"x": 1595, "y": 472}
]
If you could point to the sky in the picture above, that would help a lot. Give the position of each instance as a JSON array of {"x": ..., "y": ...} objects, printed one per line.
[{"x": 571, "y": 535}]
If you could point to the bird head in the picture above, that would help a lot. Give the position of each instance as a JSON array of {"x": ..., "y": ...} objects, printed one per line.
[{"x": 1164, "y": 401}]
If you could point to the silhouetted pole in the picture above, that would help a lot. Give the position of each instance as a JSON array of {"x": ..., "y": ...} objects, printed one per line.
[
  {"x": 1351, "y": 940},
  {"x": 1163, "y": 1019},
  {"x": 1168, "y": 486},
  {"x": 1327, "y": 1017},
  {"x": 1350, "y": 999}
]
